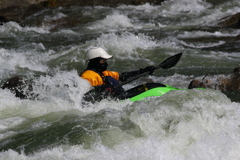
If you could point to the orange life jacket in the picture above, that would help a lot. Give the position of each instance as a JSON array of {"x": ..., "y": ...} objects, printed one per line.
[{"x": 95, "y": 79}]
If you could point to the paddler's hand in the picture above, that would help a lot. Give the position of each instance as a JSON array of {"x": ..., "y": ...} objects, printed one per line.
[
  {"x": 149, "y": 70},
  {"x": 105, "y": 88}
]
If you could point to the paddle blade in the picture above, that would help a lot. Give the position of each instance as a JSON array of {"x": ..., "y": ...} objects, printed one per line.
[{"x": 170, "y": 62}]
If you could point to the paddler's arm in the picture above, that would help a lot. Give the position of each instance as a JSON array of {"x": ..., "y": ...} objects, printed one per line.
[{"x": 127, "y": 75}]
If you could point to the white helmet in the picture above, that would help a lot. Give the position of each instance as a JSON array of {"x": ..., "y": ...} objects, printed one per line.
[{"x": 97, "y": 52}]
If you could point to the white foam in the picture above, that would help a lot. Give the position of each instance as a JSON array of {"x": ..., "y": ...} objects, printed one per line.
[
  {"x": 11, "y": 59},
  {"x": 62, "y": 92},
  {"x": 197, "y": 12},
  {"x": 112, "y": 22},
  {"x": 13, "y": 29},
  {"x": 58, "y": 16},
  {"x": 202, "y": 45},
  {"x": 66, "y": 32},
  {"x": 183, "y": 125},
  {"x": 126, "y": 44},
  {"x": 7, "y": 124},
  {"x": 197, "y": 34},
  {"x": 10, "y": 122},
  {"x": 213, "y": 16},
  {"x": 144, "y": 7},
  {"x": 176, "y": 6}
]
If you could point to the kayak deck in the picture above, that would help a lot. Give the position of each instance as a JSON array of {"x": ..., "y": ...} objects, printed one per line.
[{"x": 159, "y": 91}]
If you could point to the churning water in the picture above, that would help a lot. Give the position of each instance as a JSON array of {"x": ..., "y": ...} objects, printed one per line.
[{"x": 50, "y": 49}]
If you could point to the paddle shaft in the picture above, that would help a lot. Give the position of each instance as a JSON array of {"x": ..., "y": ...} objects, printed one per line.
[
  {"x": 166, "y": 64},
  {"x": 130, "y": 80}
]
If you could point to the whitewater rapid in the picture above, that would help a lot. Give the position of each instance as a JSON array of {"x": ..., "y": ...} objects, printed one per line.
[{"x": 187, "y": 124}]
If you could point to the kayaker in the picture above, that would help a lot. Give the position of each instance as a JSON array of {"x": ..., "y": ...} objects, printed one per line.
[{"x": 103, "y": 80}]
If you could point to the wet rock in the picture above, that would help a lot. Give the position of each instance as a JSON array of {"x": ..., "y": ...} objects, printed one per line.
[
  {"x": 231, "y": 21},
  {"x": 19, "y": 87},
  {"x": 111, "y": 3},
  {"x": 18, "y": 10},
  {"x": 236, "y": 70},
  {"x": 214, "y": 2},
  {"x": 223, "y": 83},
  {"x": 237, "y": 38}
]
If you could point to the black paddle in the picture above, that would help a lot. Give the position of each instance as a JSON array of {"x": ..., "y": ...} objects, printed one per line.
[{"x": 166, "y": 64}]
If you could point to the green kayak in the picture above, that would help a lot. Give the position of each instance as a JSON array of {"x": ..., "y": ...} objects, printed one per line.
[{"x": 158, "y": 91}]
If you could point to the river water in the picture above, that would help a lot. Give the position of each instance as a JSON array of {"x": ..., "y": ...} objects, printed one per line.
[{"x": 49, "y": 48}]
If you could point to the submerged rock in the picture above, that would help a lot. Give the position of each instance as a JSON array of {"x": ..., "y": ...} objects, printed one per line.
[
  {"x": 18, "y": 86},
  {"x": 223, "y": 83},
  {"x": 237, "y": 38},
  {"x": 231, "y": 21},
  {"x": 16, "y": 10}
]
